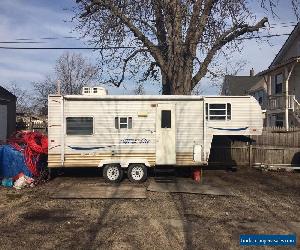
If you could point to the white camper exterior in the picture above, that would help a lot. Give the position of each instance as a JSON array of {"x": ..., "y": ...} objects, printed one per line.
[{"x": 99, "y": 130}]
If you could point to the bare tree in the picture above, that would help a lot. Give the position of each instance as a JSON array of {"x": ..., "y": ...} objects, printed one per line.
[
  {"x": 24, "y": 100},
  {"x": 42, "y": 89},
  {"x": 270, "y": 5},
  {"x": 139, "y": 89},
  {"x": 171, "y": 36},
  {"x": 73, "y": 71},
  {"x": 175, "y": 39}
]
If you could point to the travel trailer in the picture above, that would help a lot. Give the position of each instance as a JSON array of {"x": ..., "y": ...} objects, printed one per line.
[{"x": 134, "y": 133}]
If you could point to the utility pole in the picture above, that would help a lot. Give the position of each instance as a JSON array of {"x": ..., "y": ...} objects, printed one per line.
[{"x": 58, "y": 87}]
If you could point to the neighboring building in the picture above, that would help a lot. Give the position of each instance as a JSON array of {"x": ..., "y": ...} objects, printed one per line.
[
  {"x": 278, "y": 87},
  {"x": 30, "y": 122},
  {"x": 7, "y": 114},
  {"x": 246, "y": 85}
]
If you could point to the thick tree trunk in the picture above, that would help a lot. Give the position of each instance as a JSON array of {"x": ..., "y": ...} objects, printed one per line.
[
  {"x": 180, "y": 81},
  {"x": 178, "y": 85}
]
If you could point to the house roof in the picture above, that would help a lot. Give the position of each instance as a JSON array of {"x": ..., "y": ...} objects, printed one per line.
[
  {"x": 286, "y": 45},
  {"x": 289, "y": 61},
  {"x": 7, "y": 93},
  {"x": 239, "y": 85}
]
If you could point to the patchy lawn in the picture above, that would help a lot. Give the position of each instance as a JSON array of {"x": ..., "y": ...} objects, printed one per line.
[{"x": 264, "y": 202}]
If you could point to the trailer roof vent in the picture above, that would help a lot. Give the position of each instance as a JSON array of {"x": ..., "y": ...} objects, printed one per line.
[{"x": 99, "y": 91}]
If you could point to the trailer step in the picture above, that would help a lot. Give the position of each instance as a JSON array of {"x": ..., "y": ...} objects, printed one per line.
[{"x": 165, "y": 175}]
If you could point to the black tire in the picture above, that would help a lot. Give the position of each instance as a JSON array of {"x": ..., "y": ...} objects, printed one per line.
[
  {"x": 137, "y": 173},
  {"x": 113, "y": 173},
  {"x": 52, "y": 173}
]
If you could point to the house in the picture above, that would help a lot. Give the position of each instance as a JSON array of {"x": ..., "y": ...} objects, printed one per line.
[
  {"x": 246, "y": 85},
  {"x": 7, "y": 113},
  {"x": 26, "y": 121},
  {"x": 278, "y": 87}
]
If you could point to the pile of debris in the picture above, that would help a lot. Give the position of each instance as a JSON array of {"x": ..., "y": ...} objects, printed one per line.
[
  {"x": 23, "y": 160},
  {"x": 276, "y": 167}
]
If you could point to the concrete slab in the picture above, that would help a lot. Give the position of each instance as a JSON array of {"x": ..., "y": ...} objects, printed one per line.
[
  {"x": 100, "y": 191},
  {"x": 187, "y": 186}
]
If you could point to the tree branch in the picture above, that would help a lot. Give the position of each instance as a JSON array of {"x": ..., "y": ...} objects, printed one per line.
[
  {"x": 126, "y": 60},
  {"x": 160, "y": 26},
  {"x": 198, "y": 24},
  {"x": 227, "y": 37},
  {"x": 97, "y": 4}
]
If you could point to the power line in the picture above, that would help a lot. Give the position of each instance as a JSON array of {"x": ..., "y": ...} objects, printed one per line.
[
  {"x": 47, "y": 38},
  {"x": 18, "y": 42},
  {"x": 33, "y": 42},
  {"x": 117, "y": 47},
  {"x": 285, "y": 23},
  {"x": 264, "y": 36},
  {"x": 280, "y": 26},
  {"x": 272, "y": 25},
  {"x": 67, "y": 48}
]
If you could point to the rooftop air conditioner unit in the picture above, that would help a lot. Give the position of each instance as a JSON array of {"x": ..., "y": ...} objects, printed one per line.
[{"x": 98, "y": 91}]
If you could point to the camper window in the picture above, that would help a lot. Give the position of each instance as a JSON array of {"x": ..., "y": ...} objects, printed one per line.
[
  {"x": 123, "y": 122},
  {"x": 166, "y": 118},
  {"x": 79, "y": 125},
  {"x": 218, "y": 111}
]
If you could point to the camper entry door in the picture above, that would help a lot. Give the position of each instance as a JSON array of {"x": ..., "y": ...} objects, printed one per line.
[{"x": 165, "y": 134}]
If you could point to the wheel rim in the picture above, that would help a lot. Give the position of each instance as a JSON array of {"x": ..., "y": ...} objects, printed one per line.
[
  {"x": 113, "y": 173},
  {"x": 137, "y": 173}
]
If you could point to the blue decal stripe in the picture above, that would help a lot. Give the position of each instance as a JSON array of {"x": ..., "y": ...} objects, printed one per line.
[
  {"x": 231, "y": 129},
  {"x": 85, "y": 148}
]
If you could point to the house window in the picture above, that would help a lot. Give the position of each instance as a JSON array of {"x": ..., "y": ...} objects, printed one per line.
[
  {"x": 166, "y": 119},
  {"x": 79, "y": 125},
  {"x": 218, "y": 111},
  {"x": 279, "y": 119},
  {"x": 259, "y": 96},
  {"x": 278, "y": 83},
  {"x": 123, "y": 122}
]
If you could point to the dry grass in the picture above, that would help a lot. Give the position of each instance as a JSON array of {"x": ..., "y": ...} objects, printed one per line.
[{"x": 265, "y": 202}]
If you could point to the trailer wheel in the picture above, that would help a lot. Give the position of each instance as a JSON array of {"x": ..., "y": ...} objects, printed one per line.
[
  {"x": 113, "y": 173},
  {"x": 137, "y": 173}
]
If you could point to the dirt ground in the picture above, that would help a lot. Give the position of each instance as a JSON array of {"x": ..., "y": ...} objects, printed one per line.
[{"x": 264, "y": 203}]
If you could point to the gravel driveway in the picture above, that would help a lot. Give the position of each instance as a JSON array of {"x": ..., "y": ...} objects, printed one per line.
[{"x": 264, "y": 202}]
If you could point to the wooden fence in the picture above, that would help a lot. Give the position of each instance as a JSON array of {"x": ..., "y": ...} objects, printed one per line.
[
  {"x": 274, "y": 147},
  {"x": 275, "y": 136}
]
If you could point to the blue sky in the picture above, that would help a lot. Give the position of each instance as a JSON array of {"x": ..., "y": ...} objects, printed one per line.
[{"x": 36, "y": 19}]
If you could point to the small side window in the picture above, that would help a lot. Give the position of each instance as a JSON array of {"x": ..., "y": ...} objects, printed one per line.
[
  {"x": 123, "y": 122},
  {"x": 166, "y": 119},
  {"x": 218, "y": 111}
]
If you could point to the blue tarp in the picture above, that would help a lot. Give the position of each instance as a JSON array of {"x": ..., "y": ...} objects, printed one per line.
[{"x": 12, "y": 162}]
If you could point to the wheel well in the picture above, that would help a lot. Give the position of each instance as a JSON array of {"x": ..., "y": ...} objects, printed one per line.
[
  {"x": 137, "y": 163},
  {"x": 123, "y": 163}
]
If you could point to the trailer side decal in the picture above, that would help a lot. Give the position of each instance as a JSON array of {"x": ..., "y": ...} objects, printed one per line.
[
  {"x": 135, "y": 141},
  {"x": 88, "y": 148},
  {"x": 231, "y": 129}
]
